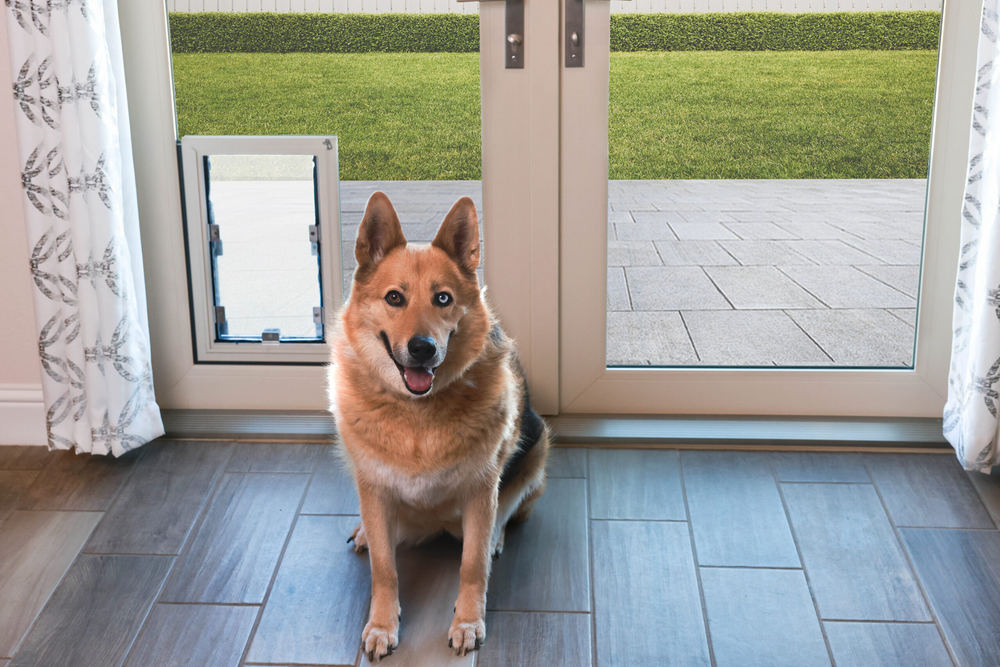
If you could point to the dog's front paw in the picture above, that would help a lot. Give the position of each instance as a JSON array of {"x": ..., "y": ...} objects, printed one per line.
[
  {"x": 359, "y": 538},
  {"x": 378, "y": 641},
  {"x": 466, "y": 636}
]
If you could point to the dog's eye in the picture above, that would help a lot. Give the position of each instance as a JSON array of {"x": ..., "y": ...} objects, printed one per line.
[
  {"x": 442, "y": 299},
  {"x": 395, "y": 298}
]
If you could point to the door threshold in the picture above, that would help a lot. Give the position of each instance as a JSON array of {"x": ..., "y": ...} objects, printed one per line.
[{"x": 710, "y": 432}]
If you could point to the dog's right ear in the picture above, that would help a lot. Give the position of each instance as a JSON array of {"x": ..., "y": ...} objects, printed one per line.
[{"x": 379, "y": 233}]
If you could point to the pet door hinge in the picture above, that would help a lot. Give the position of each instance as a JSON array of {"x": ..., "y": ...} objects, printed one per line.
[
  {"x": 270, "y": 336},
  {"x": 314, "y": 238},
  {"x": 318, "y": 320},
  {"x": 221, "y": 325},
  {"x": 215, "y": 240}
]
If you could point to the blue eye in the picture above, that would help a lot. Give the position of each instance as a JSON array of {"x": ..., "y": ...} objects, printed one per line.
[
  {"x": 442, "y": 299},
  {"x": 395, "y": 298}
]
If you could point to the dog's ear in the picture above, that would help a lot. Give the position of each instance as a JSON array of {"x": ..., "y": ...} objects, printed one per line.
[
  {"x": 379, "y": 233},
  {"x": 459, "y": 235}
]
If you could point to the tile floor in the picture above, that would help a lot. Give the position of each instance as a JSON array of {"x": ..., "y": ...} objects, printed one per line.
[{"x": 235, "y": 553}]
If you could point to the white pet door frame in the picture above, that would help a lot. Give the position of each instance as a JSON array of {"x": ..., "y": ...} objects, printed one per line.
[{"x": 317, "y": 239}]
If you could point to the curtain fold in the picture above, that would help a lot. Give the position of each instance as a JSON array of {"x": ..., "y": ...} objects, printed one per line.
[
  {"x": 83, "y": 225},
  {"x": 970, "y": 415}
]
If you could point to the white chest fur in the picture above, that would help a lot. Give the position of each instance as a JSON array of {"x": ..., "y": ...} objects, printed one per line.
[{"x": 432, "y": 489}]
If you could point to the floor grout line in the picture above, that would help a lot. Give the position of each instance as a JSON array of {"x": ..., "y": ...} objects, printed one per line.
[
  {"x": 697, "y": 567},
  {"x": 798, "y": 552},
  {"x": 590, "y": 563},
  {"x": 274, "y": 573},
  {"x": 913, "y": 570}
]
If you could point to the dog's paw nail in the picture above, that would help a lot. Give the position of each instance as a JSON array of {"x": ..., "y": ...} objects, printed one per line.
[{"x": 350, "y": 539}]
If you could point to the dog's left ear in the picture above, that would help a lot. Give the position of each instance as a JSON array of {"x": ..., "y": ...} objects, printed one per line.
[{"x": 459, "y": 235}]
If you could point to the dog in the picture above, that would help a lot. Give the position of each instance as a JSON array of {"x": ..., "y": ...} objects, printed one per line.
[{"x": 432, "y": 411}]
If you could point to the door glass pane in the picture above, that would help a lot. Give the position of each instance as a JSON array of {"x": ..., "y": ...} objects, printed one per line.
[
  {"x": 766, "y": 203},
  {"x": 266, "y": 270},
  {"x": 398, "y": 85}
]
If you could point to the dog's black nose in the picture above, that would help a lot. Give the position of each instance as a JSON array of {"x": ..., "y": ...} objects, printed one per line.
[{"x": 421, "y": 348}]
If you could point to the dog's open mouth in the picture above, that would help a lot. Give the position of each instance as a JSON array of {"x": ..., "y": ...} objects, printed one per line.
[{"x": 418, "y": 379}]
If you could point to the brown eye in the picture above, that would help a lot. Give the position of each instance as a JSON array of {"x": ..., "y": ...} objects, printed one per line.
[
  {"x": 442, "y": 299},
  {"x": 395, "y": 298}
]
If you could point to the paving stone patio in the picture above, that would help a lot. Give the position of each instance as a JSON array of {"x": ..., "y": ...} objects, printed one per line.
[
  {"x": 735, "y": 273},
  {"x": 728, "y": 273}
]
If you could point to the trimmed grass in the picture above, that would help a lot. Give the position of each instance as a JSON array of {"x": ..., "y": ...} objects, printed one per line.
[{"x": 719, "y": 114}]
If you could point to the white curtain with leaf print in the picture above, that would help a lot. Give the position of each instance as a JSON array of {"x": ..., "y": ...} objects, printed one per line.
[
  {"x": 78, "y": 186},
  {"x": 970, "y": 415}
]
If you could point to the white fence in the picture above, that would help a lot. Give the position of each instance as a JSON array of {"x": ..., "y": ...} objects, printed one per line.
[{"x": 617, "y": 6}]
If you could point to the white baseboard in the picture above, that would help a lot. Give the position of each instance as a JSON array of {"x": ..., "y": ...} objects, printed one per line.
[{"x": 22, "y": 415}]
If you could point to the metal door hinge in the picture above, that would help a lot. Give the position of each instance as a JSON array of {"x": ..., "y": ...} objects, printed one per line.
[
  {"x": 314, "y": 239},
  {"x": 221, "y": 325},
  {"x": 574, "y": 33},
  {"x": 318, "y": 320},
  {"x": 215, "y": 240}
]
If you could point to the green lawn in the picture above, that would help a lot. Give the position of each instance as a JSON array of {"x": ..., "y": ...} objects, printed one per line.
[{"x": 711, "y": 114}]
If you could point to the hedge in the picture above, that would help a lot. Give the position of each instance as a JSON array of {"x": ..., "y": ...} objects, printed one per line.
[
  {"x": 737, "y": 31},
  {"x": 325, "y": 33}
]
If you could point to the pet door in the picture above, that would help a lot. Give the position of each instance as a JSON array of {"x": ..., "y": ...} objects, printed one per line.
[{"x": 262, "y": 233}]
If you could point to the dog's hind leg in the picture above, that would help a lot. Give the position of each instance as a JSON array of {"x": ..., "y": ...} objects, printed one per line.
[{"x": 519, "y": 495}]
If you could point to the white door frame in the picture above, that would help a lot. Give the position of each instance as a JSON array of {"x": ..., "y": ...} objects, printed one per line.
[
  {"x": 520, "y": 199},
  {"x": 588, "y": 386}
]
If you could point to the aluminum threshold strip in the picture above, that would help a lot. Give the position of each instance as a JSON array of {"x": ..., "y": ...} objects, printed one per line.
[
  {"x": 596, "y": 429},
  {"x": 762, "y": 431}
]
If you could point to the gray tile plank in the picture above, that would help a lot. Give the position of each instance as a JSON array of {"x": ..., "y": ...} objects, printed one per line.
[
  {"x": 886, "y": 644},
  {"x": 173, "y": 475},
  {"x": 736, "y": 511},
  {"x": 762, "y": 617},
  {"x": 647, "y": 609},
  {"x": 23, "y": 457},
  {"x": 545, "y": 564},
  {"x": 567, "y": 462},
  {"x": 193, "y": 636},
  {"x": 36, "y": 549},
  {"x": 278, "y": 457},
  {"x": 988, "y": 488},
  {"x": 13, "y": 485},
  {"x": 819, "y": 467},
  {"x": 927, "y": 490},
  {"x": 319, "y": 602},
  {"x": 233, "y": 554},
  {"x": 79, "y": 482},
  {"x": 535, "y": 640},
  {"x": 332, "y": 489},
  {"x": 428, "y": 586},
  {"x": 94, "y": 614},
  {"x": 960, "y": 571},
  {"x": 635, "y": 484},
  {"x": 856, "y": 567}
]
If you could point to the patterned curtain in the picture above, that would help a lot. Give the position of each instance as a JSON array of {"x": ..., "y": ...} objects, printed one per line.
[
  {"x": 82, "y": 220},
  {"x": 970, "y": 415}
]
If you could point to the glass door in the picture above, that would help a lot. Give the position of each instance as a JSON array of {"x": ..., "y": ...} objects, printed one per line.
[
  {"x": 760, "y": 211},
  {"x": 289, "y": 116}
]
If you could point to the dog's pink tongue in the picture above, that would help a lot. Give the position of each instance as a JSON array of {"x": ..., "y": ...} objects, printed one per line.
[{"x": 418, "y": 378}]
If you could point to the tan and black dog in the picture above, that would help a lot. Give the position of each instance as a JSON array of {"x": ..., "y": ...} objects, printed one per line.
[{"x": 432, "y": 409}]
